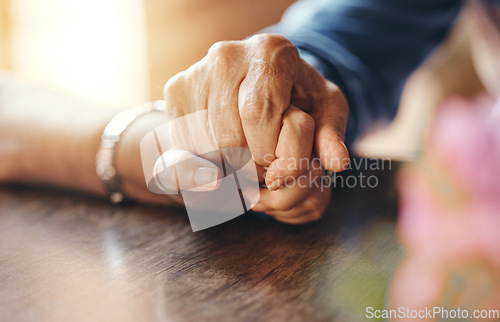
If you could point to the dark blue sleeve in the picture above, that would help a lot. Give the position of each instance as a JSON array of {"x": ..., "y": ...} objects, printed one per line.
[{"x": 367, "y": 47}]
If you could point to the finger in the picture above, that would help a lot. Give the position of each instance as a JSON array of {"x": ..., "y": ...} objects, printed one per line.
[
  {"x": 309, "y": 210},
  {"x": 177, "y": 170},
  {"x": 176, "y": 96},
  {"x": 283, "y": 199},
  {"x": 261, "y": 105},
  {"x": 294, "y": 148},
  {"x": 191, "y": 132},
  {"x": 292, "y": 194},
  {"x": 326, "y": 103},
  {"x": 330, "y": 116},
  {"x": 223, "y": 94},
  {"x": 224, "y": 116},
  {"x": 265, "y": 94},
  {"x": 329, "y": 143}
]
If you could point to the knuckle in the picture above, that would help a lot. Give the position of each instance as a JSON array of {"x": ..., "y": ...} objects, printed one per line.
[
  {"x": 256, "y": 108},
  {"x": 276, "y": 50},
  {"x": 221, "y": 59},
  {"x": 271, "y": 41},
  {"x": 174, "y": 85},
  {"x": 222, "y": 51},
  {"x": 217, "y": 48}
]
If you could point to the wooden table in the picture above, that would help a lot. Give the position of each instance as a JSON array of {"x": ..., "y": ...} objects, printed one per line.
[{"x": 70, "y": 257}]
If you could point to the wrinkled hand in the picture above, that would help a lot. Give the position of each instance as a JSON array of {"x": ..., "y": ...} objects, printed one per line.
[
  {"x": 247, "y": 86},
  {"x": 189, "y": 164},
  {"x": 302, "y": 200},
  {"x": 259, "y": 94}
]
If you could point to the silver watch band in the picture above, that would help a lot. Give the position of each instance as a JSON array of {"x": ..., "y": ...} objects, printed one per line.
[{"x": 105, "y": 158}]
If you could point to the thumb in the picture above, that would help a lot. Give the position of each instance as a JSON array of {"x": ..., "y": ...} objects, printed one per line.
[
  {"x": 330, "y": 132},
  {"x": 177, "y": 170}
]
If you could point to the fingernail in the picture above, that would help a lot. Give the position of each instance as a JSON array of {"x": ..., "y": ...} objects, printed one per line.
[
  {"x": 206, "y": 176},
  {"x": 276, "y": 184}
]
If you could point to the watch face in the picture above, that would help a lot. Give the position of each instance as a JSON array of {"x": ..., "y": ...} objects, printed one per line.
[{"x": 171, "y": 157}]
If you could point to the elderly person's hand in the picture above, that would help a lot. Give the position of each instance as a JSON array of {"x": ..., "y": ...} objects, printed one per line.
[
  {"x": 189, "y": 148},
  {"x": 248, "y": 87},
  {"x": 259, "y": 94},
  {"x": 301, "y": 200}
]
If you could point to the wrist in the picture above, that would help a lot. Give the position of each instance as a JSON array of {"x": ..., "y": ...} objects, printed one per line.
[
  {"x": 61, "y": 150},
  {"x": 129, "y": 164}
]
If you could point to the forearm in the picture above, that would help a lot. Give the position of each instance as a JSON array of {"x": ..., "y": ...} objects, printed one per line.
[
  {"x": 52, "y": 139},
  {"x": 48, "y": 138}
]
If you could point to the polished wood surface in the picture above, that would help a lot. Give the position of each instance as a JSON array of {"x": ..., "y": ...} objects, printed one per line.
[{"x": 65, "y": 256}]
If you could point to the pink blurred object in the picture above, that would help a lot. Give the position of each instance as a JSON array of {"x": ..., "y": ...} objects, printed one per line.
[
  {"x": 467, "y": 136},
  {"x": 450, "y": 211},
  {"x": 459, "y": 193}
]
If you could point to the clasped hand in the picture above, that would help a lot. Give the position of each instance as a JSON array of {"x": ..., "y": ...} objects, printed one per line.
[{"x": 259, "y": 94}]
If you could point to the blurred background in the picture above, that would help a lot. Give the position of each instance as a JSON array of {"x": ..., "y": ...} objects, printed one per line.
[{"x": 121, "y": 52}]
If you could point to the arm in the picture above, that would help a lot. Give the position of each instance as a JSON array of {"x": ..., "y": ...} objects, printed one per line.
[
  {"x": 367, "y": 47},
  {"x": 48, "y": 138}
]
